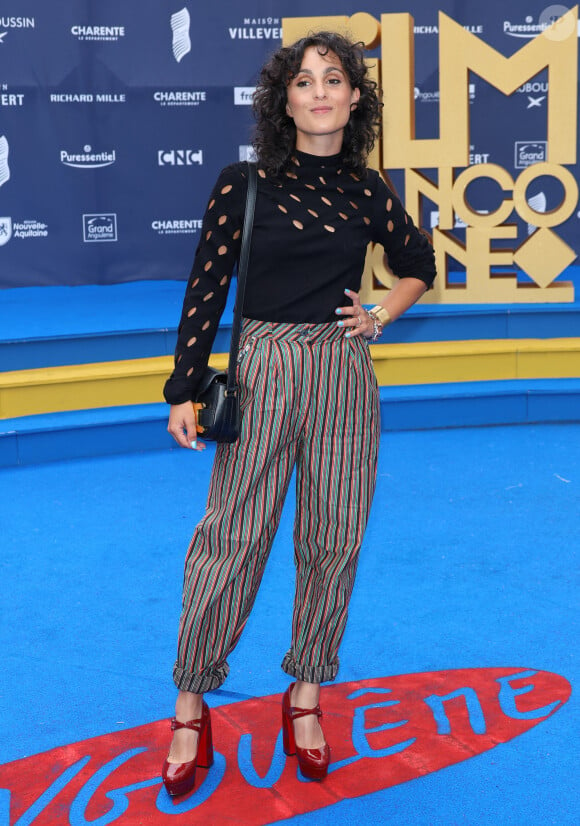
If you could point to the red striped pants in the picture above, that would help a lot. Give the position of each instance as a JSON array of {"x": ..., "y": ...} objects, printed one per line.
[{"x": 309, "y": 400}]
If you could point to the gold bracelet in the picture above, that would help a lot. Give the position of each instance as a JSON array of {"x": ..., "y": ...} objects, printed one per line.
[{"x": 382, "y": 314}]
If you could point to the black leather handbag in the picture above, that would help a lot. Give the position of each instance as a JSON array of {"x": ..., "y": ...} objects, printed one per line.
[{"x": 218, "y": 392}]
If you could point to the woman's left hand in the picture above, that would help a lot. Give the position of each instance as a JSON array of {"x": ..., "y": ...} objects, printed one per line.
[{"x": 355, "y": 319}]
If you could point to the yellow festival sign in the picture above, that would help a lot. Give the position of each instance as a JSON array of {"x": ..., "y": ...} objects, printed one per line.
[{"x": 543, "y": 255}]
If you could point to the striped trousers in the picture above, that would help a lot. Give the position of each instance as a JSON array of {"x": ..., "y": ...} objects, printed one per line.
[{"x": 309, "y": 401}]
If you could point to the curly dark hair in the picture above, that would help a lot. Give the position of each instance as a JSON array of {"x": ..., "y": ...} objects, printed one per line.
[{"x": 275, "y": 132}]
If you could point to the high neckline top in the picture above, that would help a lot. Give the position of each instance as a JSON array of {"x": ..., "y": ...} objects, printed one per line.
[
  {"x": 312, "y": 227},
  {"x": 320, "y": 161}
]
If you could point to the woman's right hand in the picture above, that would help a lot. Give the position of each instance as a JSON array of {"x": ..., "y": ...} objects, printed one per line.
[{"x": 183, "y": 426}]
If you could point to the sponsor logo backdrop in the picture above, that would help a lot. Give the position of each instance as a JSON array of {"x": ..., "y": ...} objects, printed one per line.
[{"x": 115, "y": 119}]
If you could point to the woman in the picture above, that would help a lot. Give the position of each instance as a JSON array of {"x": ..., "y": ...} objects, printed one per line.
[{"x": 308, "y": 398}]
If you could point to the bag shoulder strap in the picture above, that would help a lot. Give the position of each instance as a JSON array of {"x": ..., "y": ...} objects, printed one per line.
[{"x": 231, "y": 386}]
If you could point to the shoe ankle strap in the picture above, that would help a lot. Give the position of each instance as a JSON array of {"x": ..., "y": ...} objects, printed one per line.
[
  {"x": 296, "y": 712},
  {"x": 192, "y": 725}
]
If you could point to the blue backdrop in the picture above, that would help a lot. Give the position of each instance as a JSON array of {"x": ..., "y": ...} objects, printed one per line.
[{"x": 115, "y": 118}]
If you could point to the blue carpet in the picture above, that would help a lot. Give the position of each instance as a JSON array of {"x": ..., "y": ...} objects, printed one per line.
[{"x": 470, "y": 561}]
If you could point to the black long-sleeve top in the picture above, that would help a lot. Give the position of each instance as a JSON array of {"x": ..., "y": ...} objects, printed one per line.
[{"x": 311, "y": 231}]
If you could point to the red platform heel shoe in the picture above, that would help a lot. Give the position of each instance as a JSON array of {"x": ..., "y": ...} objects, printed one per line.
[
  {"x": 313, "y": 762},
  {"x": 179, "y": 778}
]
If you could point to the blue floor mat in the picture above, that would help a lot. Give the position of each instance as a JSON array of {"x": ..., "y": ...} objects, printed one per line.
[{"x": 469, "y": 562}]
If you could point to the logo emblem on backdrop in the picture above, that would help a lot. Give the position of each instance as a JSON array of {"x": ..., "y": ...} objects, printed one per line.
[
  {"x": 98, "y": 32},
  {"x": 179, "y": 157},
  {"x": 533, "y": 102},
  {"x": 476, "y": 28},
  {"x": 243, "y": 95},
  {"x": 88, "y": 97},
  {"x": 529, "y": 29},
  {"x": 180, "y": 22},
  {"x": 5, "y": 230},
  {"x": 4, "y": 168},
  {"x": 426, "y": 97},
  {"x": 538, "y": 203},
  {"x": 176, "y": 226},
  {"x": 15, "y": 23},
  {"x": 10, "y": 98},
  {"x": 257, "y": 28},
  {"x": 87, "y": 159},
  {"x": 100, "y": 227},
  {"x": 180, "y": 97},
  {"x": 476, "y": 157},
  {"x": 434, "y": 220},
  {"x": 536, "y": 93},
  {"x": 24, "y": 228},
  {"x": 529, "y": 152}
]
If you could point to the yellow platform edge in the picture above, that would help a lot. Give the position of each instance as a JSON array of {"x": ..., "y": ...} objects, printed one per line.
[{"x": 140, "y": 381}]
